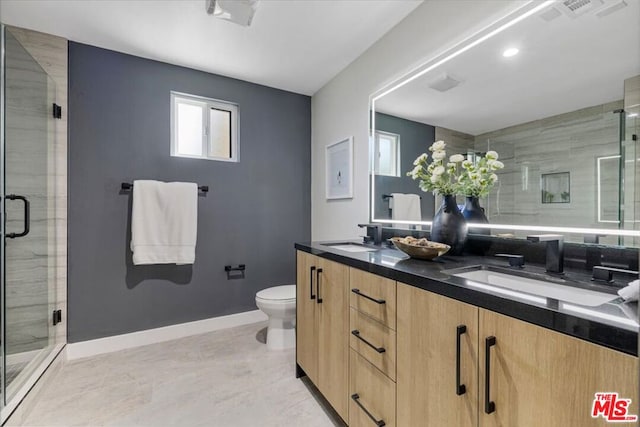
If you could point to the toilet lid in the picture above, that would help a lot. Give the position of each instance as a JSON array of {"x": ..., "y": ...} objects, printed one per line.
[{"x": 279, "y": 293}]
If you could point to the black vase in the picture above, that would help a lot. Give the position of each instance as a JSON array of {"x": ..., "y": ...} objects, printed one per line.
[
  {"x": 449, "y": 226},
  {"x": 473, "y": 212}
]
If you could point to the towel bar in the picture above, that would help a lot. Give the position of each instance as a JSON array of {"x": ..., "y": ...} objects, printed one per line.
[
  {"x": 129, "y": 186},
  {"x": 388, "y": 196}
]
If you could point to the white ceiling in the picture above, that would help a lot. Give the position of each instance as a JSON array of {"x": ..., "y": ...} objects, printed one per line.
[
  {"x": 296, "y": 45},
  {"x": 563, "y": 65}
]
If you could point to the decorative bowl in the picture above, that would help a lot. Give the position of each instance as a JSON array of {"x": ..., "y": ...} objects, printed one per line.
[{"x": 420, "y": 248}]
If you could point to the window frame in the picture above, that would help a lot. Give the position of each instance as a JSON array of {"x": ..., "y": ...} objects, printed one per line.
[
  {"x": 206, "y": 104},
  {"x": 376, "y": 159}
]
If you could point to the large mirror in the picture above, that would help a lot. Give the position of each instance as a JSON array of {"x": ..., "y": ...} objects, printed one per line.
[{"x": 556, "y": 94}]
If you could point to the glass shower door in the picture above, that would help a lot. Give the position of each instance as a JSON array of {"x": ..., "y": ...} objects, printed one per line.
[
  {"x": 28, "y": 228},
  {"x": 630, "y": 173}
]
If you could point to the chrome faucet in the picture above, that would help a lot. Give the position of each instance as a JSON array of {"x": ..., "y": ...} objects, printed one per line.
[
  {"x": 555, "y": 251},
  {"x": 377, "y": 232}
]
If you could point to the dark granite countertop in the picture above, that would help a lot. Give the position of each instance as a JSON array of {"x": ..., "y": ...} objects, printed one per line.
[{"x": 613, "y": 324}]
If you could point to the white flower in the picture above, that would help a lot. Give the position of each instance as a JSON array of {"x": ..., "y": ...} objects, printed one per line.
[
  {"x": 467, "y": 164},
  {"x": 435, "y": 178},
  {"x": 414, "y": 173},
  {"x": 421, "y": 158},
  {"x": 439, "y": 155},
  {"x": 497, "y": 164},
  {"x": 491, "y": 155},
  {"x": 493, "y": 177},
  {"x": 437, "y": 146},
  {"x": 438, "y": 170},
  {"x": 451, "y": 165},
  {"x": 456, "y": 158}
]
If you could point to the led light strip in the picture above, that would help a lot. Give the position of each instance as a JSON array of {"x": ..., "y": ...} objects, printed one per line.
[
  {"x": 599, "y": 177},
  {"x": 577, "y": 230}
]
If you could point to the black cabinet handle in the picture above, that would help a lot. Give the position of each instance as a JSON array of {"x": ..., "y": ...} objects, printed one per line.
[
  {"x": 379, "y": 423},
  {"x": 357, "y": 292},
  {"x": 318, "y": 271},
  {"x": 311, "y": 295},
  {"x": 460, "y": 388},
  {"x": 489, "y": 406},
  {"x": 27, "y": 216},
  {"x": 356, "y": 333}
]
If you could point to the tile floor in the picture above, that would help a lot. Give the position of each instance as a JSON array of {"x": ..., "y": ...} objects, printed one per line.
[{"x": 225, "y": 378}]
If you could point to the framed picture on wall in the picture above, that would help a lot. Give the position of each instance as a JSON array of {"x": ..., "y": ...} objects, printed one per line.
[{"x": 339, "y": 173}]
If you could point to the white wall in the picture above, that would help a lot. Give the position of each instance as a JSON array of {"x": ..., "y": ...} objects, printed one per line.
[{"x": 339, "y": 109}]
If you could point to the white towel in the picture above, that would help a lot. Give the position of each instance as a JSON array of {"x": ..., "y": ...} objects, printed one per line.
[
  {"x": 405, "y": 207},
  {"x": 164, "y": 222},
  {"x": 630, "y": 292}
]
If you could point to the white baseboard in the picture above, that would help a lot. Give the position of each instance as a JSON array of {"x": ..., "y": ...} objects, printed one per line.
[
  {"x": 25, "y": 356},
  {"x": 89, "y": 348}
]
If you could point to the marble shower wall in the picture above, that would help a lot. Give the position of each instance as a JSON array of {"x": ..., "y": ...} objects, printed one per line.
[
  {"x": 570, "y": 142},
  {"x": 36, "y": 166}
]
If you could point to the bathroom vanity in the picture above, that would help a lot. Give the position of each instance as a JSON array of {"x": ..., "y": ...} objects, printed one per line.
[{"x": 393, "y": 341}]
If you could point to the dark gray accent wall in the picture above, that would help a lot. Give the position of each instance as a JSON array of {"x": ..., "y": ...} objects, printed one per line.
[
  {"x": 119, "y": 130},
  {"x": 415, "y": 139}
]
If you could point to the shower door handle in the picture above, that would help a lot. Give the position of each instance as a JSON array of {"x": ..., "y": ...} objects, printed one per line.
[{"x": 27, "y": 216}]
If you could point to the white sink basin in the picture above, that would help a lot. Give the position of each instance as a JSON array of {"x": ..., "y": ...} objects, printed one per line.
[
  {"x": 540, "y": 288},
  {"x": 351, "y": 247}
]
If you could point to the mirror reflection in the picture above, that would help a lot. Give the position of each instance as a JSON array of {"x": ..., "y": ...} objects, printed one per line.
[{"x": 556, "y": 95}]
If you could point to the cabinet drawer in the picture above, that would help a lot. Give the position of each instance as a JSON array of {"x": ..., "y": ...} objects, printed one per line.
[
  {"x": 374, "y": 341},
  {"x": 372, "y": 396},
  {"x": 373, "y": 295}
]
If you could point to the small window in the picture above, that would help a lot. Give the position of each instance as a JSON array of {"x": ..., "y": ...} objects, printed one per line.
[
  {"x": 203, "y": 128},
  {"x": 387, "y": 159}
]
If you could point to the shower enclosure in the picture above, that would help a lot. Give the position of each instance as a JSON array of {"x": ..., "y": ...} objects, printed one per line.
[
  {"x": 28, "y": 226},
  {"x": 576, "y": 169}
]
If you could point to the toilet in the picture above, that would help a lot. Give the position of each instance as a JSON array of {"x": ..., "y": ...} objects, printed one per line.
[{"x": 279, "y": 304}]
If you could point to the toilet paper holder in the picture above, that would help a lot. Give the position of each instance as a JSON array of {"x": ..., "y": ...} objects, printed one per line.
[{"x": 235, "y": 272}]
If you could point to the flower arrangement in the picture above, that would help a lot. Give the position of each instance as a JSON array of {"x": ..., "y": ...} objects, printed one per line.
[
  {"x": 438, "y": 176},
  {"x": 478, "y": 177},
  {"x": 457, "y": 175}
]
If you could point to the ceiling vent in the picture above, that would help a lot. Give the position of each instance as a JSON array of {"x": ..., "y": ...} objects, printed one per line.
[
  {"x": 550, "y": 14},
  {"x": 444, "y": 83},
  {"x": 576, "y": 8},
  {"x": 611, "y": 8}
]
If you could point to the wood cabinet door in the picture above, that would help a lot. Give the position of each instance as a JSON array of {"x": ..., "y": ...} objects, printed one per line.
[
  {"x": 427, "y": 362},
  {"x": 306, "y": 316},
  {"x": 333, "y": 329},
  {"x": 540, "y": 377}
]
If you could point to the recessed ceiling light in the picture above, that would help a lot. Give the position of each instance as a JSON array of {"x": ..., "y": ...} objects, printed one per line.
[{"x": 512, "y": 51}]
